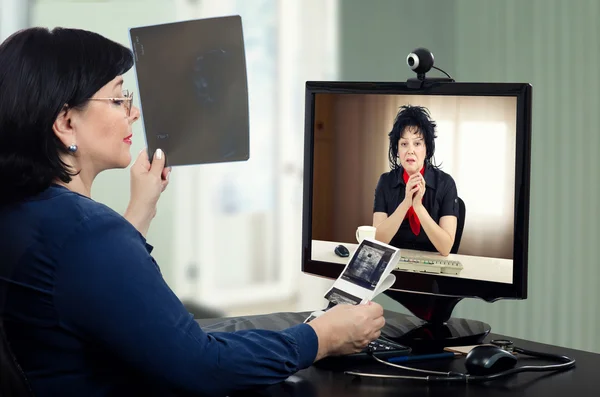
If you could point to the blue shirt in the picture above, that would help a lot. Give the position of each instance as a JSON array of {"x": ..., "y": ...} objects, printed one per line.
[{"x": 88, "y": 312}]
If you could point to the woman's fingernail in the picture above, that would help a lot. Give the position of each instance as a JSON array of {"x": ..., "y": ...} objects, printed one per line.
[{"x": 159, "y": 154}]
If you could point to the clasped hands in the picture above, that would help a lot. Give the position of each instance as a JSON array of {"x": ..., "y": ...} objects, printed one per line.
[
  {"x": 415, "y": 190},
  {"x": 148, "y": 181}
]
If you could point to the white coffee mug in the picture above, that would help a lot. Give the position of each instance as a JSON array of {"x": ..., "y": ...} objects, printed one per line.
[{"x": 363, "y": 232}]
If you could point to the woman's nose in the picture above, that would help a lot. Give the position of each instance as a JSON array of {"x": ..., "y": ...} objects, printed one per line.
[{"x": 135, "y": 113}]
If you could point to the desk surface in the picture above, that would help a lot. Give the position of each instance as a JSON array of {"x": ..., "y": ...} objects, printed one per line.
[
  {"x": 475, "y": 267},
  {"x": 312, "y": 382}
]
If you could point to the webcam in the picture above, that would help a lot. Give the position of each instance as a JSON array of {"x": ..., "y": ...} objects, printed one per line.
[{"x": 420, "y": 61}]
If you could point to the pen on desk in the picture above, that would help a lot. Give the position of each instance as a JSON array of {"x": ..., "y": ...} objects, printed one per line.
[{"x": 423, "y": 357}]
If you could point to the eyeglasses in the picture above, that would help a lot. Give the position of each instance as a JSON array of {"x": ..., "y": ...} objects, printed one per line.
[{"x": 126, "y": 100}]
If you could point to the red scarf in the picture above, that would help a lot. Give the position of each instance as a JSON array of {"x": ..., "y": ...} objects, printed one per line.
[{"x": 413, "y": 219}]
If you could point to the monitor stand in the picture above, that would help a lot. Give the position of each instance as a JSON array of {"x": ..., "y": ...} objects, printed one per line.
[{"x": 433, "y": 328}]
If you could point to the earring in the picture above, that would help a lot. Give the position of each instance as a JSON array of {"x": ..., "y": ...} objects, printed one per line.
[{"x": 72, "y": 148}]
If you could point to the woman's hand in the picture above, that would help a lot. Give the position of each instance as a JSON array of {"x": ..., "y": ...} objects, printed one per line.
[
  {"x": 418, "y": 197},
  {"x": 346, "y": 329},
  {"x": 148, "y": 181},
  {"x": 412, "y": 187}
]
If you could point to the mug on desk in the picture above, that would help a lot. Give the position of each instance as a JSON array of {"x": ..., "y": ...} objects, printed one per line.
[{"x": 363, "y": 232}]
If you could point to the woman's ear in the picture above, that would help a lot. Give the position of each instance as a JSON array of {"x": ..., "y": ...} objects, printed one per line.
[{"x": 63, "y": 128}]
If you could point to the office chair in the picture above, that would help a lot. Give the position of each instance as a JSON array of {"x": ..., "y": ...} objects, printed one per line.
[{"x": 462, "y": 210}]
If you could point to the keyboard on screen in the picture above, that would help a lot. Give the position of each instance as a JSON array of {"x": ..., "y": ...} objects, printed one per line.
[{"x": 429, "y": 265}]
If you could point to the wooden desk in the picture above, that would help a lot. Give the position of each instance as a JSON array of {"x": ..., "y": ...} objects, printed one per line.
[
  {"x": 312, "y": 382},
  {"x": 475, "y": 267}
]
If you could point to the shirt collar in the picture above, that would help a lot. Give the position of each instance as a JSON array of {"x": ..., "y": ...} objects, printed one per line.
[{"x": 430, "y": 179}]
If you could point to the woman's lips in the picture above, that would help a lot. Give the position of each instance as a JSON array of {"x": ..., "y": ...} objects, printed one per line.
[{"x": 128, "y": 139}]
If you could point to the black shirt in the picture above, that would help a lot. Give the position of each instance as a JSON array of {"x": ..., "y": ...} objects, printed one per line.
[{"x": 440, "y": 199}]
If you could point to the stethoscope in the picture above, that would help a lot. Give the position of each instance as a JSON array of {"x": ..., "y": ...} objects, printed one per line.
[{"x": 505, "y": 344}]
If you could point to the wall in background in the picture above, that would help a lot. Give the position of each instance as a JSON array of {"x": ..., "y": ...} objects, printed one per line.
[
  {"x": 553, "y": 45},
  {"x": 14, "y": 15}
]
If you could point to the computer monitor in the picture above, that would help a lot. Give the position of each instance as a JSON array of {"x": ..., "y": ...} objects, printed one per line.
[{"x": 468, "y": 236}]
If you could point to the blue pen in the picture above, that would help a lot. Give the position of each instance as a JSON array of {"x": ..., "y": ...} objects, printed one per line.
[{"x": 423, "y": 357}]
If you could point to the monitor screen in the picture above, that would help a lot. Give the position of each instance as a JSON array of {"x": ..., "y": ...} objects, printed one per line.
[{"x": 441, "y": 173}]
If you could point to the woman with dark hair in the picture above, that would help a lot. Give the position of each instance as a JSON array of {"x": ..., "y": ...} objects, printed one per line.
[
  {"x": 416, "y": 203},
  {"x": 83, "y": 305}
]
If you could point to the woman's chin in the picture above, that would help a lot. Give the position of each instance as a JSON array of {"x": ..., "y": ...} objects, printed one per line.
[
  {"x": 124, "y": 161},
  {"x": 410, "y": 167}
]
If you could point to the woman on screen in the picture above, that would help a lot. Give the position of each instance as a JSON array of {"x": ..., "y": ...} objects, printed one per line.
[{"x": 416, "y": 203}]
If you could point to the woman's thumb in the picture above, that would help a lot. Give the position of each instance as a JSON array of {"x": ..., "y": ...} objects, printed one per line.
[{"x": 158, "y": 162}]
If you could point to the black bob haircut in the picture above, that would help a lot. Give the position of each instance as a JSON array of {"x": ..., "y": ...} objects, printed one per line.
[
  {"x": 41, "y": 71},
  {"x": 412, "y": 116}
]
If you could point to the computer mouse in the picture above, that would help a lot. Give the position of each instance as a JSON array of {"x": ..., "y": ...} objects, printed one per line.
[
  {"x": 342, "y": 251},
  {"x": 487, "y": 359}
]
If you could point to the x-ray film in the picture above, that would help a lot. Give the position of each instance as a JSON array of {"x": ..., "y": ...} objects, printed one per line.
[{"x": 193, "y": 90}]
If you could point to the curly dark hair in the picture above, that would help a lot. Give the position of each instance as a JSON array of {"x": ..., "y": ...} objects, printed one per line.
[
  {"x": 412, "y": 116},
  {"x": 41, "y": 71}
]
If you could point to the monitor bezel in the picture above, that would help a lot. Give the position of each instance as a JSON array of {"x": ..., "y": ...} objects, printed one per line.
[{"x": 430, "y": 283}]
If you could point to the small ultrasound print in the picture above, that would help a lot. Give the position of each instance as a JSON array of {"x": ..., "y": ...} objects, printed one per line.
[
  {"x": 340, "y": 297},
  {"x": 367, "y": 266}
]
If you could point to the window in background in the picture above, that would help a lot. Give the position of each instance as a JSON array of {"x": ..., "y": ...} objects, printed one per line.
[
  {"x": 444, "y": 145},
  {"x": 238, "y": 225},
  {"x": 482, "y": 151}
]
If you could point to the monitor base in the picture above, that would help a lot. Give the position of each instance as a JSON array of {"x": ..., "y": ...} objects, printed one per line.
[
  {"x": 425, "y": 337},
  {"x": 432, "y": 328}
]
